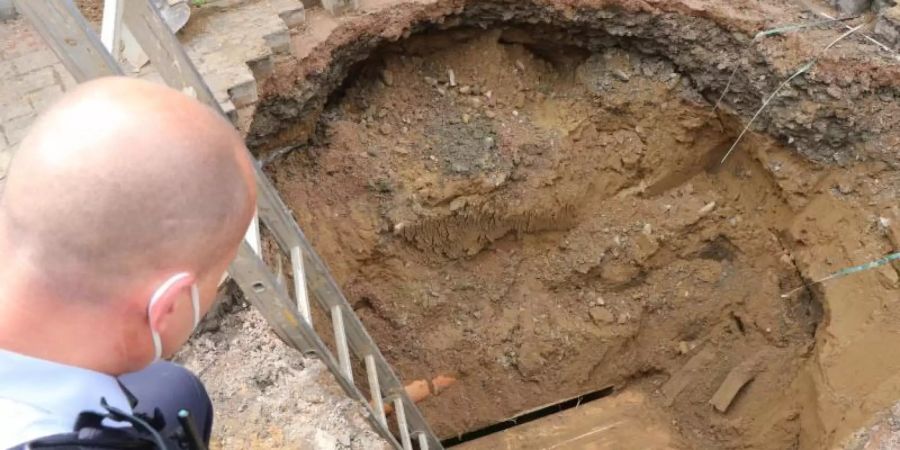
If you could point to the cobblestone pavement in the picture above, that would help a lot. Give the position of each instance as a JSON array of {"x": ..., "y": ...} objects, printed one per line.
[{"x": 232, "y": 42}]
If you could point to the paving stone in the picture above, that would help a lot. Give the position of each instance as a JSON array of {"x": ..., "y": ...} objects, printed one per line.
[
  {"x": 5, "y": 158},
  {"x": 63, "y": 75},
  {"x": 340, "y": 7},
  {"x": 16, "y": 129},
  {"x": 262, "y": 67},
  {"x": 232, "y": 47},
  {"x": 15, "y": 109},
  {"x": 293, "y": 17},
  {"x": 244, "y": 92},
  {"x": 37, "y": 80},
  {"x": 279, "y": 41},
  {"x": 34, "y": 60},
  {"x": 43, "y": 98}
]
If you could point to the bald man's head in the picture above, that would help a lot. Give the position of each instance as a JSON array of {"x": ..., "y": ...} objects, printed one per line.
[{"x": 120, "y": 181}]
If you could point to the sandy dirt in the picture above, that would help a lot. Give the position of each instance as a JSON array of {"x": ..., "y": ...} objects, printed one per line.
[{"x": 266, "y": 395}]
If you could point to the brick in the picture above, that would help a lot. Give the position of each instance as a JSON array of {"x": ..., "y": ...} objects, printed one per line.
[
  {"x": 41, "y": 99},
  {"x": 34, "y": 60},
  {"x": 36, "y": 80},
  {"x": 244, "y": 93},
  {"x": 293, "y": 18},
  {"x": 262, "y": 67},
  {"x": 68, "y": 82},
  {"x": 16, "y": 129},
  {"x": 279, "y": 41},
  {"x": 340, "y": 7},
  {"x": 7, "y": 70},
  {"x": 15, "y": 110},
  {"x": 5, "y": 159}
]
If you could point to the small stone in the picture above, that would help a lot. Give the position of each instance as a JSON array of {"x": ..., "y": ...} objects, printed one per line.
[
  {"x": 466, "y": 118},
  {"x": 401, "y": 150},
  {"x": 683, "y": 348},
  {"x": 520, "y": 66},
  {"x": 476, "y": 102},
  {"x": 451, "y": 77},
  {"x": 648, "y": 229},
  {"x": 600, "y": 301},
  {"x": 431, "y": 81},
  {"x": 490, "y": 114},
  {"x": 398, "y": 227},
  {"x": 623, "y": 319},
  {"x": 515, "y": 113},
  {"x": 834, "y": 91},
  {"x": 386, "y": 129},
  {"x": 489, "y": 94},
  {"x": 442, "y": 91},
  {"x": 388, "y": 77},
  {"x": 621, "y": 75},
  {"x": 464, "y": 90},
  {"x": 602, "y": 316},
  {"x": 845, "y": 187},
  {"x": 706, "y": 209}
]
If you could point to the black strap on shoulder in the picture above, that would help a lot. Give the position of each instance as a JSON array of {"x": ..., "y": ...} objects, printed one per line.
[{"x": 90, "y": 433}]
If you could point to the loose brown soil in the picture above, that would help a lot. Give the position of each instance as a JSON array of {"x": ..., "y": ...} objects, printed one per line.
[{"x": 553, "y": 221}]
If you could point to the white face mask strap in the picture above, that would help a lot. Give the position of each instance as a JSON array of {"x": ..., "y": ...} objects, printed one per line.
[
  {"x": 160, "y": 291},
  {"x": 195, "y": 302}
]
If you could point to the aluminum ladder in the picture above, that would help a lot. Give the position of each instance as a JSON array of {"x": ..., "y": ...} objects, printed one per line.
[{"x": 81, "y": 51}]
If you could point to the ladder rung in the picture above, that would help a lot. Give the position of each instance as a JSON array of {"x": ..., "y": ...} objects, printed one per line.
[
  {"x": 400, "y": 411},
  {"x": 302, "y": 296},
  {"x": 111, "y": 26},
  {"x": 340, "y": 339},
  {"x": 375, "y": 389},
  {"x": 422, "y": 438}
]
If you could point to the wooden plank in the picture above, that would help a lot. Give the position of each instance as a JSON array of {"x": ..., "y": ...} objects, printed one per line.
[
  {"x": 624, "y": 421},
  {"x": 683, "y": 377},
  {"x": 739, "y": 376}
]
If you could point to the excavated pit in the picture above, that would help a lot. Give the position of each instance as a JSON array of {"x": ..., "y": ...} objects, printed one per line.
[{"x": 540, "y": 211}]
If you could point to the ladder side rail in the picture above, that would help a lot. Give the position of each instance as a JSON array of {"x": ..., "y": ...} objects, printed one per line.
[
  {"x": 111, "y": 27},
  {"x": 68, "y": 34},
  {"x": 270, "y": 298},
  {"x": 165, "y": 51}
]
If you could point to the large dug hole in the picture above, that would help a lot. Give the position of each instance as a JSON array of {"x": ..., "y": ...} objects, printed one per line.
[{"x": 542, "y": 221}]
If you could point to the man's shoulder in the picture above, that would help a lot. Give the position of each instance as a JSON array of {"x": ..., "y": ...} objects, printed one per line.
[{"x": 20, "y": 422}]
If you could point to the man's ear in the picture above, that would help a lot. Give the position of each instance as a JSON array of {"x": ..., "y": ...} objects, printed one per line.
[{"x": 162, "y": 304}]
